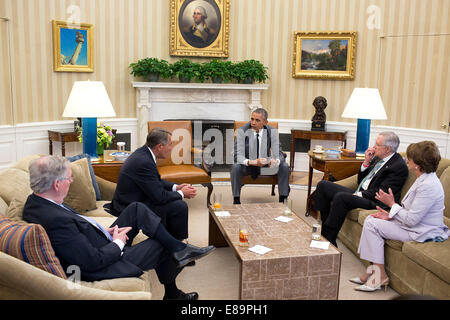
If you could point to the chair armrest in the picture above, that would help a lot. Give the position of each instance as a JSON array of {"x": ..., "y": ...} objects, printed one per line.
[
  {"x": 107, "y": 188},
  {"x": 350, "y": 182}
]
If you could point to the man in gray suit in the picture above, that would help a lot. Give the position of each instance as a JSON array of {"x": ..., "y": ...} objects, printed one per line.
[{"x": 257, "y": 152}]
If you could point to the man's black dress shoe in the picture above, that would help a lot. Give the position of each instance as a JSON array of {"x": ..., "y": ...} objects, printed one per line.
[
  {"x": 184, "y": 296},
  {"x": 191, "y": 253}
]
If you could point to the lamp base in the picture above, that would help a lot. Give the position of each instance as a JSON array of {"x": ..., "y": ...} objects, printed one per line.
[
  {"x": 89, "y": 126},
  {"x": 362, "y": 136}
]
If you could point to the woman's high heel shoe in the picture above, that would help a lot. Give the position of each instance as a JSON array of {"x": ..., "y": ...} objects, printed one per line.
[
  {"x": 356, "y": 280},
  {"x": 367, "y": 288}
]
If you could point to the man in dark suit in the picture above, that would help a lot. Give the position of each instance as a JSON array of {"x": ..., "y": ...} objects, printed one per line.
[
  {"x": 257, "y": 151},
  {"x": 139, "y": 180},
  {"x": 104, "y": 253},
  {"x": 383, "y": 168}
]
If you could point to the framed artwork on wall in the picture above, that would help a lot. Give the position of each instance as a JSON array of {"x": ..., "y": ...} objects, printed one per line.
[
  {"x": 199, "y": 28},
  {"x": 324, "y": 55},
  {"x": 73, "y": 47}
]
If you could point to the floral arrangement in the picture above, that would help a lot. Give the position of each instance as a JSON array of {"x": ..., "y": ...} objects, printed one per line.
[{"x": 104, "y": 134}]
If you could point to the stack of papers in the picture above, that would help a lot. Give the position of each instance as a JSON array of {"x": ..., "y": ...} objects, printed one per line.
[{"x": 259, "y": 249}]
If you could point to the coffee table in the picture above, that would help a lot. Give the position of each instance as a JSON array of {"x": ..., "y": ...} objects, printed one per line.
[{"x": 292, "y": 270}]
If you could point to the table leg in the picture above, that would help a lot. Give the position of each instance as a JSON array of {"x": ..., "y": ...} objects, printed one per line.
[
  {"x": 63, "y": 147},
  {"x": 50, "y": 147},
  {"x": 292, "y": 155},
  {"x": 310, "y": 174}
]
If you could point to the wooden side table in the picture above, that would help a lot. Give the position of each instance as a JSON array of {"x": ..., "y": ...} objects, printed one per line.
[
  {"x": 63, "y": 137},
  {"x": 337, "y": 168},
  {"x": 310, "y": 135},
  {"x": 107, "y": 167}
]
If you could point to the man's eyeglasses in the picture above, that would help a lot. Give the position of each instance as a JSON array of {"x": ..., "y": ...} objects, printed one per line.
[{"x": 67, "y": 178}]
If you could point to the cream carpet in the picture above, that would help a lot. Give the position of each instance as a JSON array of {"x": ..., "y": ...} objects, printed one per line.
[{"x": 216, "y": 276}]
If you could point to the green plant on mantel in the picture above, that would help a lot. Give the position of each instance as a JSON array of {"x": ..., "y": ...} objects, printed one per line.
[
  {"x": 249, "y": 71},
  {"x": 186, "y": 70},
  {"x": 217, "y": 70},
  {"x": 151, "y": 69}
]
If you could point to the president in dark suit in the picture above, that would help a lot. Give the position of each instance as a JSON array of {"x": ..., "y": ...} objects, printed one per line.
[
  {"x": 383, "y": 168},
  {"x": 104, "y": 253},
  {"x": 140, "y": 181},
  {"x": 257, "y": 151}
]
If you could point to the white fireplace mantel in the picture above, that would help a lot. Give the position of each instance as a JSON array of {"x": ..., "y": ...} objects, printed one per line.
[{"x": 157, "y": 101}]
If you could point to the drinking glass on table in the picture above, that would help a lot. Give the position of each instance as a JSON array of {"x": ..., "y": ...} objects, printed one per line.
[{"x": 217, "y": 201}]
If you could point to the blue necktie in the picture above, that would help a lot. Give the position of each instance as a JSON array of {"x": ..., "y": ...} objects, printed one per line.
[{"x": 93, "y": 222}]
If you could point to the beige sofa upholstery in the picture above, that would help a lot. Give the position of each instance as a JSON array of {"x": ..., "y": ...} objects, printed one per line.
[
  {"x": 20, "y": 280},
  {"x": 413, "y": 268}
]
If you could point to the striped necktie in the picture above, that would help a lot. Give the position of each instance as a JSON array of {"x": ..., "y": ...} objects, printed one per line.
[{"x": 371, "y": 174}]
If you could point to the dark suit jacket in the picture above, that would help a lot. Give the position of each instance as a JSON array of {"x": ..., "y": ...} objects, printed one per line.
[
  {"x": 269, "y": 144},
  {"x": 140, "y": 181},
  {"x": 78, "y": 242},
  {"x": 392, "y": 175}
]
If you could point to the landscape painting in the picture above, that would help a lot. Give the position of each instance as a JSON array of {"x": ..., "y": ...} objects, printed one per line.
[{"x": 323, "y": 55}]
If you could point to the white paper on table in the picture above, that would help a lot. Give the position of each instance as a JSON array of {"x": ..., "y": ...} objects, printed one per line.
[
  {"x": 320, "y": 244},
  {"x": 283, "y": 219},
  {"x": 222, "y": 213},
  {"x": 259, "y": 249}
]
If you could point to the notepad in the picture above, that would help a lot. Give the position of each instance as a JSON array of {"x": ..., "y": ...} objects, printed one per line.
[
  {"x": 259, "y": 249},
  {"x": 283, "y": 219},
  {"x": 320, "y": 244},
  {"x": 222, "y": 213}
]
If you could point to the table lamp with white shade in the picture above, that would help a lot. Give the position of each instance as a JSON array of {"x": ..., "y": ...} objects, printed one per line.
[
  {"x": 89, "y": 100},
  {"x": 365, "y": 104}
]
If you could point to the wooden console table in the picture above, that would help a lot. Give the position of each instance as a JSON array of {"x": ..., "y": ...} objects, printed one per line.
[
  {"x": 63, "y": 137},
  {"x": 310, "y": 135},
  {"x": 107, "y": 167},
  {"x": 334, "y": 168}
]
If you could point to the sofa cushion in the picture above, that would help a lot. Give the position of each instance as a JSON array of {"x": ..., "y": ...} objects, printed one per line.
[
  {"x": 445, "y": 181},
  {"x": 15, "y": 210},
  {"x": 3, "y": 206},
  {"x": 119, "y": 284},
  {"x": 433, "y": 256},
  {"x": 443, "y": 165},
  {"x": 14, "y": 183},
  {"x": 24, "y": 163},
  {"x": 408, "y": 183},
  {"x": 353, "y": 214},
  {"x": 99, "y": 211},
  {"x": 81, "y": 196},
  {"x": 29, "y": 243},
  {"x": 91, "y": 171},
  {"x": 363, "y": 214}
]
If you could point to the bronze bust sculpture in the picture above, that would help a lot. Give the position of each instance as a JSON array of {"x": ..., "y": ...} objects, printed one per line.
[{"x": 319, "y": 118}]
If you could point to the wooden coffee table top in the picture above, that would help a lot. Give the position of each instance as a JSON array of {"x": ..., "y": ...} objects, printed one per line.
[{"x": 286, "y": 240}]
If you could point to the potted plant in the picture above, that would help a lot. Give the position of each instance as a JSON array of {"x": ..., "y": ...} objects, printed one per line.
[
  {"x": 104, "y": 136},
  {"x": 151, "y": 69},
  {"x": 217, "y": 70},
  {"x": 249, "y": 71},
  {"x": 186, "y": 70}
]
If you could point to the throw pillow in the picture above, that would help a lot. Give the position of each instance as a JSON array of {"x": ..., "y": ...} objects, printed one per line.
[
  {"x": 3, "y": 206},
  {"x": 81, "y": 195},
  {"x": 29, "y": 243},
  {"x": 15, "y": 210},
  {"x": 91, "y": 171},
  {"x": 15, "y": 184}
]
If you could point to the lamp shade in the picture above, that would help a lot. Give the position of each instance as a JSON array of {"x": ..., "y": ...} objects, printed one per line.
[
  {"x": 365, "y": 103},
  {"x": 88, "y": 99}
]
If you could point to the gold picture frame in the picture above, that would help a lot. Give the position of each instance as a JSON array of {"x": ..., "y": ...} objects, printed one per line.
[
  {"x": 187, "y": 40},
  {"x": 324, "y": 55},
  {"x": 73, "y": 47}
]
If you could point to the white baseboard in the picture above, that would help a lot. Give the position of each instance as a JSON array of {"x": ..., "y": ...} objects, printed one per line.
[{"x": 24, "y": 139}]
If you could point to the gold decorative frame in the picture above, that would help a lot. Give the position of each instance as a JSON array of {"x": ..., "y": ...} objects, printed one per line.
[
  {"x": 216, "y": 45},
  {"x": 85, "y": 47},
  {"x": 304, "y": 40}
]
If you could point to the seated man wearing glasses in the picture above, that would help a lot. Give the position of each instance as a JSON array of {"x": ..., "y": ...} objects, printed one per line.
[{"x": 383, "y": 168}]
